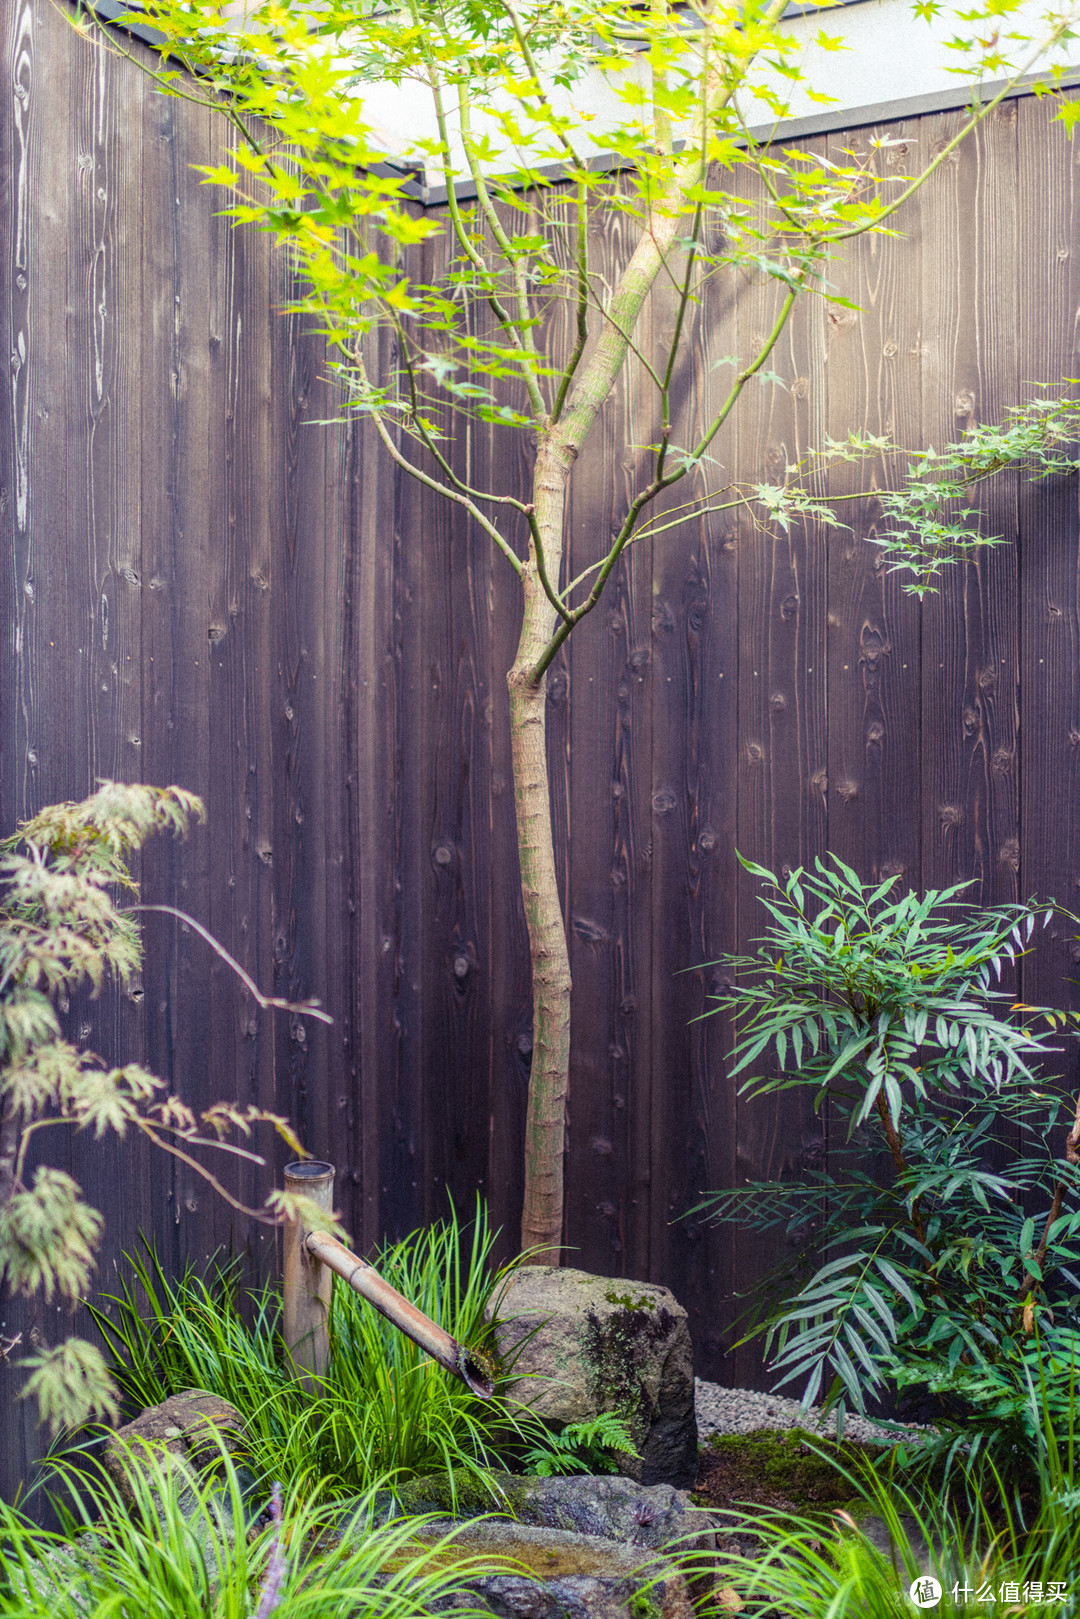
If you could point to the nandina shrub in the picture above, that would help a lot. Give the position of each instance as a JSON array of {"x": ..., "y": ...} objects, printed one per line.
[{"x": 936, "y": 1248}]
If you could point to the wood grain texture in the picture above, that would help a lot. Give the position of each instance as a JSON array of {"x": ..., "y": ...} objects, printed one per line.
[
  {"x": 202, "y": 586},
  {"x": 1048, "y": 298},
  {"x": 694, "y": 737},
  {"x": 969, "y": 722},
  {"x": 613, "y": 812},
  {"x": 874, "y": 360},
  {"x": 781, "y": 809}
]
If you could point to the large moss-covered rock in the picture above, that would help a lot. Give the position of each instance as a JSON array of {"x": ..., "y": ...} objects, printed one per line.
[
  {"x": 593, "y": 1343},
  {"x": 656, "y": 1518}
]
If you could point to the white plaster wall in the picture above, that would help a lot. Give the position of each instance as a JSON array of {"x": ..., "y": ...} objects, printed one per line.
[{"x": 890, "y": 55}]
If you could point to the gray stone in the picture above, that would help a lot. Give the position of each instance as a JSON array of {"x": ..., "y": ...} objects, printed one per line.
[
  {"x": 175, "y": 1452},
  {"x": 656, "y": 1518},
  {"x": 57, "y": 1577},
  {"x": 566, "y": 1576},
  {"x": 593, "y": 1343},
  {"x": 190, "y": 1429}
]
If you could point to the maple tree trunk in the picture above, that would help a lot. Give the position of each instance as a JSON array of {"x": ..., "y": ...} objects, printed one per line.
[{"x": 545, "y": 1123}]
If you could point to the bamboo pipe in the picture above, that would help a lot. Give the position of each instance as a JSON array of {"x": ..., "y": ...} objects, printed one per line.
[
  {"x": 313, "y": 1258},
  {"x": 307, "y": 1284},
  {"x": 365, "y": 1280}
]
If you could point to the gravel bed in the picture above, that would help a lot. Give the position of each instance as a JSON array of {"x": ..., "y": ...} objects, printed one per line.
[{"x": 724, "y": 1410}]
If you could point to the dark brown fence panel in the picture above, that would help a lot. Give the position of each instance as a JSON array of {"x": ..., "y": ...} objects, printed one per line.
[
  {"x": 203, "y": 585},
  {"x": 1048, "y": 603},
  {"x": 177, "y": 581}
]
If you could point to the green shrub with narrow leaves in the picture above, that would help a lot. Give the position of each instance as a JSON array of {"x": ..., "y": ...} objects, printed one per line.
[{"x": 937, "y": 1249}]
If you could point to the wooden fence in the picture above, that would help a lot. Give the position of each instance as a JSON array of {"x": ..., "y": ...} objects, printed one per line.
[{"x": 206, "y": 584}]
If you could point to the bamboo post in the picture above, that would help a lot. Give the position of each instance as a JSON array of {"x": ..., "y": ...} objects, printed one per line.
[{"x": 307, "y": 1282}]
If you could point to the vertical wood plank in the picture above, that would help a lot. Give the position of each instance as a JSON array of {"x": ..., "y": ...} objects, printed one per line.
[
  {"x": 456, "y": 1057},
  {"x": 612, "y": 813},
  {"x": 1049, "y": 568},
  {"x": 32, "y": 204},
  {"x": 374, "y": 731},
  {"x": 694, "y": 740},
  {"x": 781, "y": 820},
  {"x": 970, "y": 653},
  {"x": 874, "y": 364},
  {"x": 178, "y": 268}
]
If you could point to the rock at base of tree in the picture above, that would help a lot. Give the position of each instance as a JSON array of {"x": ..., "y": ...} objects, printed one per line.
[{"x": 589, "y": 1344}]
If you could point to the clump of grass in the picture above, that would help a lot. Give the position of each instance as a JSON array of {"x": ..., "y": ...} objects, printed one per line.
[
  {"x": 187, "y": 1550},
  {"x": 991, "y": 1546},
  {"x": 383, "y": 1411}
]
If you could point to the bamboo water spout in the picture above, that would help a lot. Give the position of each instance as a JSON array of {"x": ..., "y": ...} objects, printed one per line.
[{"x": 313, "y": 1258}]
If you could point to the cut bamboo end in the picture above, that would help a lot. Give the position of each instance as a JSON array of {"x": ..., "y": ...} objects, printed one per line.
[
  {"x": 364, "y": 1279},
  {"x": 307, "y": 1282}
]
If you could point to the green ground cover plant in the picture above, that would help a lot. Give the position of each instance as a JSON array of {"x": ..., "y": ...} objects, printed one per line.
[
  {"x": 937, "y": 1250},
  {"x": 384, "y": 1411},
  {"x": 581, "y": 1447}
]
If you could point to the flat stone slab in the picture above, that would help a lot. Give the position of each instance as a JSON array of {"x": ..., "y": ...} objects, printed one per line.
[{"x": 551, "y": 1574}]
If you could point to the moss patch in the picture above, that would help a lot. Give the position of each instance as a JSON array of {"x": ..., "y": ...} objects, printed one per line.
[
  {"x": 628, "y": 1302},
  {"x": 614, "y": 1350},
  {"x": 460, "y": 1494},
  {"x": 777, "y": 1468}
]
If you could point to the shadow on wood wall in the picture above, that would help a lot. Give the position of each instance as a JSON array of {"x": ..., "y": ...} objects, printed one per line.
[{"x": 205, "y": 584}]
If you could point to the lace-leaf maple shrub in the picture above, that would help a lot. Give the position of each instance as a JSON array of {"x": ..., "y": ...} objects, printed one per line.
[{"x": 63, "y": 929}]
